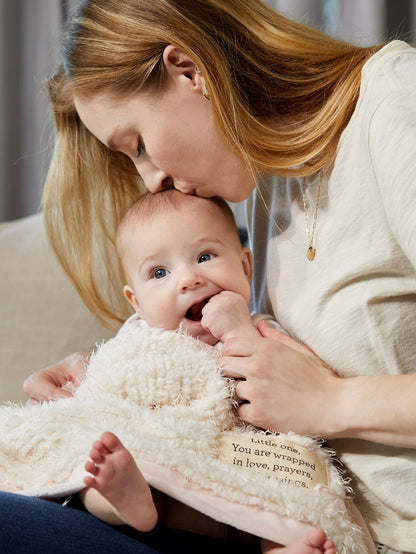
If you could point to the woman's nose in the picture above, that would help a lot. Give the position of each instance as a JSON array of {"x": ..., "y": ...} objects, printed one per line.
[
  {"x": 158, "y": 181},
  {"x": 154, "y": 179}
]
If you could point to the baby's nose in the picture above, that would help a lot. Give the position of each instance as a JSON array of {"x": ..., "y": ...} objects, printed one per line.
[{"x": 190, "y": 282}]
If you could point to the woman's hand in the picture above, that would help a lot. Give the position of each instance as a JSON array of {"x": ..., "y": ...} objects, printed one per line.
[
  {"x": 286, "y": 385},
  {"x": 288, "y": 388},
  {"x": 47, "y": 383}
]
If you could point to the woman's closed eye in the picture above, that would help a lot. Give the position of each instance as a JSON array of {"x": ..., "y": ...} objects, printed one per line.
[
  {"x": 205, "y": 257},
  {"x": 140, "y": 148}
]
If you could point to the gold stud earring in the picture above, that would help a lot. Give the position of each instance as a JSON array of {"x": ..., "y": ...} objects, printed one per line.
[{"x": 205, "y": 92}]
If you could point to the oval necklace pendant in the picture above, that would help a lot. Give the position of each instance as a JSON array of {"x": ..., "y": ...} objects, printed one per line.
[{"x": 310, "y": 254}]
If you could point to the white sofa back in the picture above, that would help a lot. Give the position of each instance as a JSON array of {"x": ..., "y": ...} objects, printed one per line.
[{"x": 42, "y": 318}]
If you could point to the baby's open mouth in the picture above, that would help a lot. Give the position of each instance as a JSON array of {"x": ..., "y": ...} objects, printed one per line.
[{"x": 195, "y": 311}]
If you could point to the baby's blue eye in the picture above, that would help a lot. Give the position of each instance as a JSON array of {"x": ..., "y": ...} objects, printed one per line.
[
  {"x": 205, "y": 257},
  {"x": 160, "y": 273}
]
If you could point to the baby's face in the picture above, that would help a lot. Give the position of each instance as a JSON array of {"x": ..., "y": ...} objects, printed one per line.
[{"x": 176, "y": 261}]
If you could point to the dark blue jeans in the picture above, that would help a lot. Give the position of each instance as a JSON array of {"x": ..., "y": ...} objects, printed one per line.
[{"x": 33, "y": 526}]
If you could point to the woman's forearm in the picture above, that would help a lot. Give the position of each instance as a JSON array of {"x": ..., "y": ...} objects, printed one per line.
[{"x": 379, "y": 408}]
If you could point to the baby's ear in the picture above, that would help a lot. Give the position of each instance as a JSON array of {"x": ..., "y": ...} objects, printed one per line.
[
  {"x": 247, "y": 261},
  {"x": 131, "y": 297}
]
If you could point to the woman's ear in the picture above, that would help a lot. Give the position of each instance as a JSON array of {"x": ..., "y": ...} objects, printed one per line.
[
  {"x": 179, "y": 64},
  {"x": 131, "y": 297},
  {"x": 247, "y": 261}
]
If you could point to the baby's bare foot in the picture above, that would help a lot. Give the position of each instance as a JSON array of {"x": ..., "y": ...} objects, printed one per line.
[
  {"x": 115, "y": 475},
  {"x": 314, "y": 542}
]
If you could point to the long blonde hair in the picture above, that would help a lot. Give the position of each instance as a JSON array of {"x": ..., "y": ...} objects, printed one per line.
[{"x": 281, "y": 95}]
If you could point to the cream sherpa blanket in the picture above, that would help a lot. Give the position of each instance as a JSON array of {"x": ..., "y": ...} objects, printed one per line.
[{"x": 161, "y": 392}]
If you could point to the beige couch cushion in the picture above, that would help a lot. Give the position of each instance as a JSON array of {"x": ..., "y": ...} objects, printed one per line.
[{"x": 42, "y": 318}]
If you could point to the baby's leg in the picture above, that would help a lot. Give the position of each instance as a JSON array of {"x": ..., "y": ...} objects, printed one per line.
[
  {"x": 314, "y": 542},
  {"x": 116, "y": 489}
]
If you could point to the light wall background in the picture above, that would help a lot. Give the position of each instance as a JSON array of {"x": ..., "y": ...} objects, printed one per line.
[{"x": 29, "y": 50}]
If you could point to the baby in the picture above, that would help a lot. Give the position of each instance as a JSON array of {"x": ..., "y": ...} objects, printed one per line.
[{"x": 186, "y": 269}]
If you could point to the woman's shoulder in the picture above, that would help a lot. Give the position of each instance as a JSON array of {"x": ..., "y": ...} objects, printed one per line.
[
  {"x": 390, "y": 69},
  {"x": 392, "y": 91},
  {"x": 388, "y": 86}
]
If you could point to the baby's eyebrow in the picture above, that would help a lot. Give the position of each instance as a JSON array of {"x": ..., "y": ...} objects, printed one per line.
[
  {"x": 148, "y": 260},
  {"x": 209, "y": 240}
]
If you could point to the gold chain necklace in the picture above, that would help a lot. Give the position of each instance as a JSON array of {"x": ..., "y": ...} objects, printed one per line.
[{"x": 311, "y": 251}]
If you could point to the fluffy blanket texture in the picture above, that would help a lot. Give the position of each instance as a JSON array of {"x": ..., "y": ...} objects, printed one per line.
[{"x": 162, "y": 393}]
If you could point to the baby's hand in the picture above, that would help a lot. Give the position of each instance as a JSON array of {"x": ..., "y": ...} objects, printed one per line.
[{"x": 227, "y": 315}]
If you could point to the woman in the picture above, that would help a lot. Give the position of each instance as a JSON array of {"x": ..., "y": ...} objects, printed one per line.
[{"x": 207, "y": 96}]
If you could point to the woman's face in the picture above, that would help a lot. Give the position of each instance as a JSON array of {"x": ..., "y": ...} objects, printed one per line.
[{"x": 170, "y": 137}]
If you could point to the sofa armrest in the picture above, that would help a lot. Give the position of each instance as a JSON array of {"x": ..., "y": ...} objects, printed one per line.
[{"x": 42, "y": 318}]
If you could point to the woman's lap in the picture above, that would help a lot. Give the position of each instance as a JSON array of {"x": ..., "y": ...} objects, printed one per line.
[{"x": 39, "y": 526}]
